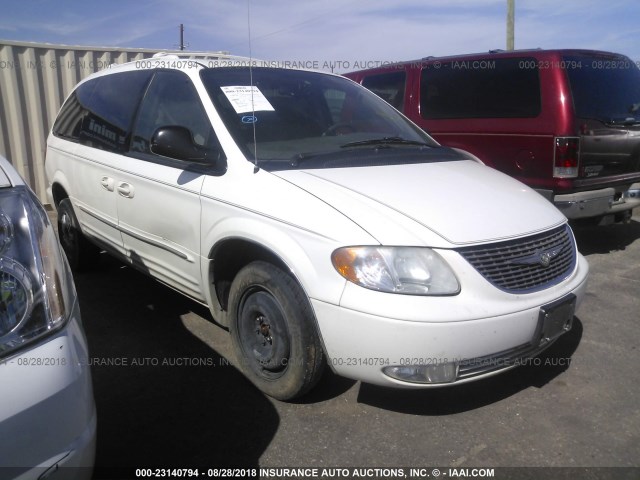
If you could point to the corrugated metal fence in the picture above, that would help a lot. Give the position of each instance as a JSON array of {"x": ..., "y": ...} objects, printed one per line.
[{"x": 34, "y": 81}]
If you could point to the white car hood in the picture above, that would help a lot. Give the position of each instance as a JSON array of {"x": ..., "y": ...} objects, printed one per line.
[{"x": 460, "y": 202}]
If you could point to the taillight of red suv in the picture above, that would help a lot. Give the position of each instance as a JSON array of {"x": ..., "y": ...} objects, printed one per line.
[{"x": 566, "y": 157}]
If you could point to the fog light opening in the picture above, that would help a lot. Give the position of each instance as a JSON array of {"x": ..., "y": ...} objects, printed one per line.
[{"x": 427, "y": 374}]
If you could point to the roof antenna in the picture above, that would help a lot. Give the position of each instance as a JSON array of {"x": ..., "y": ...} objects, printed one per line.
[{"x": 253, "y": 112}]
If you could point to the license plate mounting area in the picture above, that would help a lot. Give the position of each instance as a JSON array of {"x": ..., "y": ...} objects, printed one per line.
[{"x": 554, "y": 319}]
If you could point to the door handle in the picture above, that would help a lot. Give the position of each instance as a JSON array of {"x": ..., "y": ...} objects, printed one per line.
[
  {"x": 125, "y": 189},
  {"x": 107, "y": 183}
]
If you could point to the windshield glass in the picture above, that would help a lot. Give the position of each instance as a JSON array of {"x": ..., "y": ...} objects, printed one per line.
[
  {"x": 289, "y": 117},
  {"x": 605, "y": 88}
]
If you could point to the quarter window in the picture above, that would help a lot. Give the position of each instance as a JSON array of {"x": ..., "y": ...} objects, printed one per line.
[
  {"x": 72, "y": 113},
  {"x": 604, "y": 87},
  {"x": 99, "y": 113}
]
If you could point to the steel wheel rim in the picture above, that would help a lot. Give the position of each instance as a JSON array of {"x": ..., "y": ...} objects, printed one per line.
[{"x": 263, "y": 333}]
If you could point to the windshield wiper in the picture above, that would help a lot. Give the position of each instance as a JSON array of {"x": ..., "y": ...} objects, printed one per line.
[{"x": 385, "y": 141}]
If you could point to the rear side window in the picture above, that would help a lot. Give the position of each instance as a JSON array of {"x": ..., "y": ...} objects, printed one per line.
[
  {"x": 388, "y": 86},
  {"x": 495, "y": 88},
  {"x": 100, "y": 112},
  {"x": 604, "y": 88},
  {"x": 69, "y": 120}
]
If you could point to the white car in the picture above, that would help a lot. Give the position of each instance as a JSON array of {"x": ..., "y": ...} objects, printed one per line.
[
  {"x": 47, "y": 411},
  {"x": 316, "y": 222}
]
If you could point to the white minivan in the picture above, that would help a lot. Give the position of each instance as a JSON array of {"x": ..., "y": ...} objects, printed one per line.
[{"x": 315, "y": 221}]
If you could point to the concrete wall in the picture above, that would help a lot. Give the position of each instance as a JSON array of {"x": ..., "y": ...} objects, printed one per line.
[{"x": 35, "y": 79}]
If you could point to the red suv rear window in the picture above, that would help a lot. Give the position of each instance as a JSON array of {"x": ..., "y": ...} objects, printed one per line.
[{"x": 605, "y": 88}]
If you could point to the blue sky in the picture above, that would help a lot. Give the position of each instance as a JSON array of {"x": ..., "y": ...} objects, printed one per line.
[{"x": 338, "y": 31}]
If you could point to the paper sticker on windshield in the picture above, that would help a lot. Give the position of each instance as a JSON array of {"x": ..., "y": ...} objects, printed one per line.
[{"x": 247, "y": 99}]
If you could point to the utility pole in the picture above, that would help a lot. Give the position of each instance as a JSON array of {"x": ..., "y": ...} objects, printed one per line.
[
  {"x": 181, "y": 36},
  {"x": 510, "y": 23}
]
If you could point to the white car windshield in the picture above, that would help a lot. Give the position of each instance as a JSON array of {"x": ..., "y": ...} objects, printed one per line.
[{"x": 282, "y": 119}]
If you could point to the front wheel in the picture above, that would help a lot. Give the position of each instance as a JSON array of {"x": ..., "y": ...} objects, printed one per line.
[{"x": 273, "y": 332}]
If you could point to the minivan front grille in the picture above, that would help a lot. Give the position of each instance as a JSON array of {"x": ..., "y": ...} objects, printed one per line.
[{"x": 527, "y": 264}]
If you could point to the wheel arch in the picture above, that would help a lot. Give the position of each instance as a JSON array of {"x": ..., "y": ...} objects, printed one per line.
[
  {"x": 60, "y": 187},
  {"x": 238, "y": 241},
  {"x": 228, "y": 257},
  {"x": 59, "y": 193}
]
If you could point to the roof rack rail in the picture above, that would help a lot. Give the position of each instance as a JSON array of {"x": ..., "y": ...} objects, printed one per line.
[
  {"x": 200, "y": 55},
  {"x": 496, "y": 50}
]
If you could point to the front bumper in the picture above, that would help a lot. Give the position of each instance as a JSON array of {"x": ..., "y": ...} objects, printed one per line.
[
  {"x": 47, "y": 412},
  {"x": 360, "y": 345}
]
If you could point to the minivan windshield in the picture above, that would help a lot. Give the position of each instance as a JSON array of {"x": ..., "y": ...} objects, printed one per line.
[
  {"x": 287, "y": 119},
  {"x": 605, "y": 88}
]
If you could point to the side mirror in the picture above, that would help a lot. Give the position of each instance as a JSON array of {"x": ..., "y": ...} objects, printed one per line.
[{"x": 177, "y": 142}]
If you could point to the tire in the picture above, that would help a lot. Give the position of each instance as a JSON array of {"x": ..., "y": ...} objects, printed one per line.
[
  {"x": 273, "y": 332},
  {"x": 81, "y": 254}
]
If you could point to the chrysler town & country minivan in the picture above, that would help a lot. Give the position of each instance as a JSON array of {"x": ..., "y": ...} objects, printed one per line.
[{"x": 314, "y": 220}]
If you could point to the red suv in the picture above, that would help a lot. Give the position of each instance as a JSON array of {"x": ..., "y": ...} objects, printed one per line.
[{"x": 565, "y": 122}]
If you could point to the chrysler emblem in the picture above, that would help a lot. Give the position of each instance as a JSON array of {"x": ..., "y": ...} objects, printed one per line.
[
  {"x": 545, "y": 259},
  {"x": 540, "y": 258}
]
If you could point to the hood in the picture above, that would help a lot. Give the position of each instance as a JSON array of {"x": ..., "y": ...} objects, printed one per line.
[{"x": 460, "y": 202}]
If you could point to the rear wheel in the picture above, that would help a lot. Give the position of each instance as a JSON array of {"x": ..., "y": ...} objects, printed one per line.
[
  {"x": 81, "y": 254},
  {"x": 273, "y": 332}
]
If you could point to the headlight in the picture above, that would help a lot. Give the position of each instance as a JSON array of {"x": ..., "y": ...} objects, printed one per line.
[
  {"x": 35, "y": 285},
  {"x": 408, "y": 270}
]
